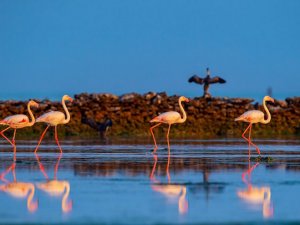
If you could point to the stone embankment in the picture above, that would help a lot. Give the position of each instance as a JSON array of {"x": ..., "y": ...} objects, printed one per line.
[{"x": 131, "y": 113}]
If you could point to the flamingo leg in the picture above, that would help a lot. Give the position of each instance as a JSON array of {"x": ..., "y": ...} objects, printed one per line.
[
  {"x": 250, "y": 142},
  {"x": 154, "y": 167},
  {"x": 168, "y": 166},
  {"x": 168, "y": 140},
  {"x": 14, "y": 142},
  {"x": 41, "y": 166},
  {"x": 151, "y": 130},
  {"x": 13, "y": 139},
  {"x": 3, "y": 174},
  {"x": 14, "y": 173},
  {"x": 2, "y": 134},
  {"x": 243, "y": 136},
  {"x": 56, "y": 139},
  {"x": 42, "y": 136},
  {"x": 56, "y": 166}
]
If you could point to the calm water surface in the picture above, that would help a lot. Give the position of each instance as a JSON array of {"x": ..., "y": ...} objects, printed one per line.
[{"x": 122, "y": 182}]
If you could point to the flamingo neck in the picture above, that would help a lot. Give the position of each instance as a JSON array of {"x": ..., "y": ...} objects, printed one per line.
[
  {"x": 31, "y": 115},
  {"x": 30, "y": 197},
  {"x": 183, "y": 119},
  {"x": 267, "y": 207},
  {"x": 268, "y": 113},
  {"x": 63, "y": 101},
  {"x": 182, "y": 203},
  {"x": 183, "y": 194},
  {"x": 267, "y": 196},
  {"x": 64, "y": 203}
]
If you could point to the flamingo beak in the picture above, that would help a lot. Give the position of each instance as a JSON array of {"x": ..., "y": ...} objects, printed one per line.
[
  {"x": 268, "y": 98},
  {"x": 33, "y": 206},
  {"x": 68, "y": 207},
  {"x": 271, "y": 100},
  {"x": 70, "y": 99},
  {"x": 187, "y": 100}
]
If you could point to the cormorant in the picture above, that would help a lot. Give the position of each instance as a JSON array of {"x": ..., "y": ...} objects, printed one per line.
[{"x": 206, "y": 81}]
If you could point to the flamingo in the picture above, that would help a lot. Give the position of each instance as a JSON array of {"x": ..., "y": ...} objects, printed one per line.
[
  {"x": 18, "y": 121},
  {"x": 19, "y": 189},
  {"x": 169, "y": 118},
  {"x": 255, "y": 116},
  {"x": 256, "y": 195},
  {"x": 58, "y": 188},
  {"x": 55, "y": 187},
  {"x": 54, "y": 118},
  {"x": 170, "y": 190}
]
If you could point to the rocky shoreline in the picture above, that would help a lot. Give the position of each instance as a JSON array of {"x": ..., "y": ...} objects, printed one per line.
[{"x": 131, "y": 113}]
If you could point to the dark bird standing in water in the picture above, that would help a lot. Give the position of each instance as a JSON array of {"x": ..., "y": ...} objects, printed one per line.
[
  {"x": 206, "y": 81},
  {"x": 103, "y": 127}
]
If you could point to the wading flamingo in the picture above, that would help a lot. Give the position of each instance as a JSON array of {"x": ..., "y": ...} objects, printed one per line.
[
  {"x": 255, "y": 195},
  {"x": 255, "y": 116},
  {"x": 169, "y": 118},
  {"x": 18, "y": 121},
  {"x": 54, "y": 118},
  {"x": 55, "y": 187},
  {"x": 19, "y": 189}
]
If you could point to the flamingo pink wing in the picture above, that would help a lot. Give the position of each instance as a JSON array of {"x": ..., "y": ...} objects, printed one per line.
[
  {"x": 15, "y": 119},
  {"x": 252, "y": 116},
  {"x": 167, "y": 117},
  {"x": 53, "y": 117}
]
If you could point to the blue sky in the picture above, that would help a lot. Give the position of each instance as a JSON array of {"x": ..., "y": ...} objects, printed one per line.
[{"x": 49, "y": 48}]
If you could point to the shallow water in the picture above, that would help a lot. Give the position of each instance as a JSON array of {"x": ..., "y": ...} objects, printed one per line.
[{"x": 122, "y": 182}]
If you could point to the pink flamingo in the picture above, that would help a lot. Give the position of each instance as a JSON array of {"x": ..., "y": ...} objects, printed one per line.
[
  {"x": 55, "y": 187},
  {"x": 256, "y": 195},
  {"x": 170, "y": 190},
  {"x": 18, "y": 121},
  {"x": 18, "y": 189},
  {"x": 53, "y": 118},
  {"x": 169, "y": 118},
  {"x": 255, "y": 116}
]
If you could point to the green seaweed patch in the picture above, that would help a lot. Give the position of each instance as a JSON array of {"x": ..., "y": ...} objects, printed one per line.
[{"x": 263, "y": 159}]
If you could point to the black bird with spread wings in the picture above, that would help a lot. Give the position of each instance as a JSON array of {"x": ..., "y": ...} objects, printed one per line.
[
  {"x": 206, "y": 81},
  {"x": 103, "y": 127}
]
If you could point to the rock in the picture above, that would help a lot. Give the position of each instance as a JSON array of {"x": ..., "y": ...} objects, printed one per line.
[{"x": 128, "y": 97}]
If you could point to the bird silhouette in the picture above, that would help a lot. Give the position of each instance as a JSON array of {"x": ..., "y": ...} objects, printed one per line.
[
  {"x": 206, "y": 81},
  {"x": 102, "y": 127}
]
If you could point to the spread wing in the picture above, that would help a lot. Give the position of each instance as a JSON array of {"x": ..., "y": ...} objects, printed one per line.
[
  {"x": 217, "y": 80},
  {"x": 196, "y": 79},
  {"x": 90, "y": 122}
]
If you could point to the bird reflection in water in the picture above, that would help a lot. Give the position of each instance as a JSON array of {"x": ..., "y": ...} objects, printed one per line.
[
  {"x": 55, "y": 187},
  {"x": 255, "y": 195},
  {"x": 170, "y": 190},
  {"x": 18, "y": 189}
]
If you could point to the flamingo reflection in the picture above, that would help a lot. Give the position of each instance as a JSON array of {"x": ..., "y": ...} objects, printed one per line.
[
  {"x": 55, "y": 187},
  {"x": 255, "y": 195},
  {"x": 18, "y": 189},
  {"x": 170, "y": 190}
]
